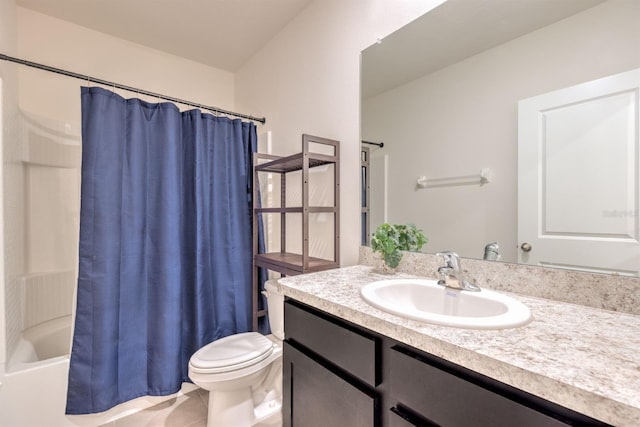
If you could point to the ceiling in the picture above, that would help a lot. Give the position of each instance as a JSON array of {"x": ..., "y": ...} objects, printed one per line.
[
  {"x": 225, "y": 34},
  {"x": 220, "y": 33},
  {"x": 444, "y": 37}
]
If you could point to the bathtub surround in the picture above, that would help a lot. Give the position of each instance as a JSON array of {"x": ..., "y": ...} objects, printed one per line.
[
  {"x": 46, "y": 335},
  {"x": 39, "y": 313},
  {"x": 165, "y": 245},
  {"x": 12, "y": 251},
  {"x": 47, "y": 296},
  {"x": 50, "y": 159}
]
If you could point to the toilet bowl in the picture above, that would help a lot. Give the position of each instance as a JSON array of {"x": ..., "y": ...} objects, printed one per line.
[{"x": 243, "y": 373}]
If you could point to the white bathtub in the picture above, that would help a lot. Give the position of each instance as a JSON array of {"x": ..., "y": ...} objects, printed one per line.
[
  {"x": 43, "y": 344},
  {"x": 33, "y": 392},
  {"x": 34, "y": 387}
]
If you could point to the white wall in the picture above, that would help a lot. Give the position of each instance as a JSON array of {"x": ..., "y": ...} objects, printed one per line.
[
  {"x": 307, "y": 80},
  {"x": 460, "y": 119},
  {"x": 68, "y": 46}
]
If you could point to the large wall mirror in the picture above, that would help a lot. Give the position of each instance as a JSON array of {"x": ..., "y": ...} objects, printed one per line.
[{"x": 445, "y": 95}]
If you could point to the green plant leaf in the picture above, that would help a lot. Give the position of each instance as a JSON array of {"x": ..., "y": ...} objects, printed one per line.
[
  {"x": 393, "y": 259},
  {"x": 390, "y": 240}
]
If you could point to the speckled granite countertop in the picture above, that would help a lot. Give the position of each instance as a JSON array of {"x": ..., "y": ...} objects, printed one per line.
[{"x": 582, "y": 358}]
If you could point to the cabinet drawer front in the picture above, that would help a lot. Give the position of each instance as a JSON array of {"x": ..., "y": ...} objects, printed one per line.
[
  {"x": 449, "y": 400},
  {"x": 348, "y": 349},
  {"x": 316, "y": 397}
]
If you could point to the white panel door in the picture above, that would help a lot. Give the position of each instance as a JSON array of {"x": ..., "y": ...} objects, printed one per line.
[{"x": 578, "y": 176}]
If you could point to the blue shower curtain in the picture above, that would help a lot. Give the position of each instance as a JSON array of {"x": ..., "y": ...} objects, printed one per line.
[{"x": 165, "y": 245}]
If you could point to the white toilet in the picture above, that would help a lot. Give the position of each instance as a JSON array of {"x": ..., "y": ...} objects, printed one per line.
[{"x": 243, "y": 373}]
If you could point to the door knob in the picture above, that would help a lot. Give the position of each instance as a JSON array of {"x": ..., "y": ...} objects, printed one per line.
[{"x": 526, "y": 247}]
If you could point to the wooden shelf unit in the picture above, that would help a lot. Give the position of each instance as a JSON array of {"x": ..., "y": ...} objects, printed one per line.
[{"x": 283, "y": 262}]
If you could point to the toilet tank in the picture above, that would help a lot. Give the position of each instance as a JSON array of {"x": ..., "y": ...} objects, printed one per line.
[{"x": 275, "y": 305}]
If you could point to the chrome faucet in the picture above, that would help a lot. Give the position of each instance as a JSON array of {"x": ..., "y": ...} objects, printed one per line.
[{"x": 451, "y": 274}]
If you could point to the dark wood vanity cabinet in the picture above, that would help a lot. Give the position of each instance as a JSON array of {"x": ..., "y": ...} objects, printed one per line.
[
  {"x": 339, "y": 374},
  {"x": 445, "y": 394},
  {"x": 329, "y": 372}
]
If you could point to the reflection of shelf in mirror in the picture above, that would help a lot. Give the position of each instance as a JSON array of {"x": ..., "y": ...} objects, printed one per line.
[
  {"x": 291, "y": 264},
  {"x": 483, "y": 178}
]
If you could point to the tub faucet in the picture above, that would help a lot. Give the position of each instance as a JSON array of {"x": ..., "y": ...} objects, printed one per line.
[{"x": 451, "y": 274}]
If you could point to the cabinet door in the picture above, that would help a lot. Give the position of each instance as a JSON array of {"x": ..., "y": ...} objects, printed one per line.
[{"x": 315, "y": 396}]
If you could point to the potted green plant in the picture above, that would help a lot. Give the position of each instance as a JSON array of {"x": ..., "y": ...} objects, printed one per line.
[{"x": 390, "y": 240}]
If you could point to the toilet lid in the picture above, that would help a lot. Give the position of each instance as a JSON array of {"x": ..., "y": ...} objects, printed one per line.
[{"x": 232, "y": 352}]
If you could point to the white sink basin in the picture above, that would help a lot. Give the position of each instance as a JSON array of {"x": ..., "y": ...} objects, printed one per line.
[{"x": 426, "y": 301}]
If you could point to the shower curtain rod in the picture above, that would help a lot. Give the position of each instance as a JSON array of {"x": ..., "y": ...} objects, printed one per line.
[
  {"x": 128, "y": 88},
  {"x": 379, "y": 144}
]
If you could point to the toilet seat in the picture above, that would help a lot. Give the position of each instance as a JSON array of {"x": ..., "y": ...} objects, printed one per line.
[
  {"x": 231, "y": 353},
  {"x": 243, "y": 374}
]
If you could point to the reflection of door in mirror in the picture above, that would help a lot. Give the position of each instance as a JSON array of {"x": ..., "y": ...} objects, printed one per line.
[{"x": 578, "y": 169}]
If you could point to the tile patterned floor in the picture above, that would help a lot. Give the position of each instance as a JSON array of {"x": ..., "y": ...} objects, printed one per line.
[{"x": 189, "y": 410}]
